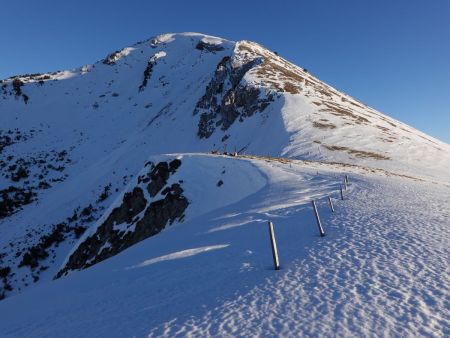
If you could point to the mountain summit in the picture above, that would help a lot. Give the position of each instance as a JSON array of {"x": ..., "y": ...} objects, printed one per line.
[{"x": 97, "y": 160}]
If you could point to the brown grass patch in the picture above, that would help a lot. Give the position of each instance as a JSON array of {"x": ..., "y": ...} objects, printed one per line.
[
  {"x": 243, "y": 46},
  {"x": 274, "y": 85},
  {"x": 321, "y": 125},
  {"x": 290, "y": 88},
  {"x": 392, "y": 124},
  {"x": 323, "y": 92},
  {"x": 270, "y": 72},
  {"x": 285, "y": 160},
  {"x": 357, "y": 105},
  {"x": 385, "y": 139},
  {"x": 268, "y": 67},
  {"x": 358, "y": 153},
  {"x": 383, "y": 128},
  {"x": 341, "y": 111}
]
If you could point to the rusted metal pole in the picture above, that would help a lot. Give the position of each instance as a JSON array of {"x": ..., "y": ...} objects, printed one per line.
[
  {"x": 331, "y": 204},
  {"x": 273, "y": 242},
  {"x": 319, "y": 224}
]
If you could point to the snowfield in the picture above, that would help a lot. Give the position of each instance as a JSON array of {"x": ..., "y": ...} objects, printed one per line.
[
  {"x": 135, "y": 196},
  {"x": 381, "y": 270}
]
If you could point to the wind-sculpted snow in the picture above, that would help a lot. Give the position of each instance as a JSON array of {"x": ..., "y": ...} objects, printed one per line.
[{"x": 381, "y": 270}]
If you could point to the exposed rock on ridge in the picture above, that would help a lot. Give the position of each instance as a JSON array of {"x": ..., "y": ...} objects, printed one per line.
[
  {"x": 135, "y": 219},
  {"x": 228, "y": 97}
]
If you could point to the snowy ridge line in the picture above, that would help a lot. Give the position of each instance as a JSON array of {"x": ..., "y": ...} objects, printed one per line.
[{"x": 341, "y": 164}]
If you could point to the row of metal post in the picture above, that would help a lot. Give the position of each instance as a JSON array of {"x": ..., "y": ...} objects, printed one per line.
[{"x": 276, "y": 260}]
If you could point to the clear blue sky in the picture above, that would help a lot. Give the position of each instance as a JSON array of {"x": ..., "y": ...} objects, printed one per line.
[{"x": 392, "y": 55}]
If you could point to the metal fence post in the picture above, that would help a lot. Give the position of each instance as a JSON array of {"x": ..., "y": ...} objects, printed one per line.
[
  {"x": 331, "y": 204},
  {"x": 319, "y": 224},
  {"x": 276, "y": 261}
]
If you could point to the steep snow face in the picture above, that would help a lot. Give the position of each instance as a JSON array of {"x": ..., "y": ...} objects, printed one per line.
[
  {"x": 324, "y": 124},
  {"x": 72, "y": 141}
]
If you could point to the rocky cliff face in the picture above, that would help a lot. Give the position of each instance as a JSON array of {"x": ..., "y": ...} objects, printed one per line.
[
  {"x": 144, "y": 211},
  {"x": 228, "y": 97}
]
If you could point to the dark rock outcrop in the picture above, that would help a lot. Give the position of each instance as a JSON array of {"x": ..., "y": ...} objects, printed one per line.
[
  {"x": 208, "y": 47},
  {"x": 148, "y": 72},
  {"x": 226, "y": 98},
  {"x": 40, "y": 251},
  {"x": 4, "y": 272},
  {"x": 13, "y": 198},
  {"x": 17, "y": 86},
  {"x": 111, "y": 59},
  {"x": 26, "y": 174},
  {"x": 135, "y": 223},
  {"x": 159, "y": 176}
]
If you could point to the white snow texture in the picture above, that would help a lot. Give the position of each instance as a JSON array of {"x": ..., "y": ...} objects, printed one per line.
[{"x": 382, "y": 270}]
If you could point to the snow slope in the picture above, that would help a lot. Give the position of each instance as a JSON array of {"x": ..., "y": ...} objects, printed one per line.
[
  {"x": 83, "y": 185},
  {"x": 191, "y": 186},
  {"x": 382, "y": 269}
]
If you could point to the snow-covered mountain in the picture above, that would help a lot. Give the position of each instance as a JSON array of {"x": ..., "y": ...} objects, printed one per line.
[{"x": 85, "y": 184}]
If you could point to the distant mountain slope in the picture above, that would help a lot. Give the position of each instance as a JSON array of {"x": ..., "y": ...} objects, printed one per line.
[{"x": 72, "y": 142}]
